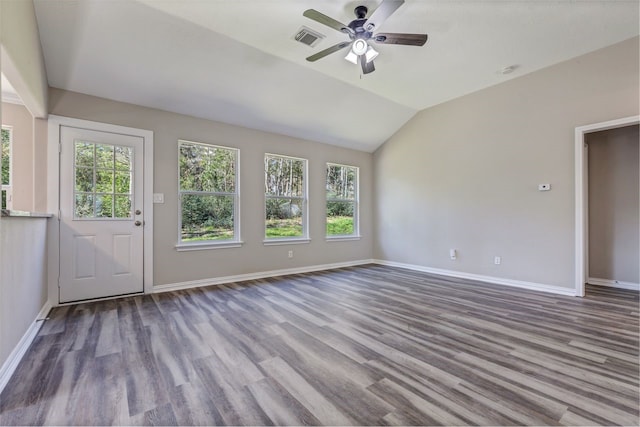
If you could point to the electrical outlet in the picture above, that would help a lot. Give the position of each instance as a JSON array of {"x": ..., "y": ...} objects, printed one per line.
[
  {"x": 453, "y": 254},
  {"x": 290, "y": 254},
  {"x": 497, "y": 260}
]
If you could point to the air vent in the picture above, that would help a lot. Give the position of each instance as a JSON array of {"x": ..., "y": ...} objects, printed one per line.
[{"x": 307, "y": 36}]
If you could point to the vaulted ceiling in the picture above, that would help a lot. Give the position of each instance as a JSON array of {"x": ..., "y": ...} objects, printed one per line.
[{"x": 236, "y": 61}]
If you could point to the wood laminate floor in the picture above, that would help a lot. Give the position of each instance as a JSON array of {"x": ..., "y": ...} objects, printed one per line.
[{"x": 368, "y": 345}]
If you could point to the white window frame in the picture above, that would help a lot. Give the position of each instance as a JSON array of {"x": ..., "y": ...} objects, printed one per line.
[
  {"x": 356, "y": 206},
  {"x": 211, "y": 244},
  {"x": 8, "y": 187},
  {"x": 305, "y": 207}
]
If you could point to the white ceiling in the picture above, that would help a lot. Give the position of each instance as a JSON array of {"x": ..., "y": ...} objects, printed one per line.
[{"x": 235, "y": 61}]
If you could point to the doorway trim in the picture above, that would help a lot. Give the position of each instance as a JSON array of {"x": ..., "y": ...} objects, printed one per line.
[
  {"x": 53, "y": 196},
  {"x": 581, "y": 232}
]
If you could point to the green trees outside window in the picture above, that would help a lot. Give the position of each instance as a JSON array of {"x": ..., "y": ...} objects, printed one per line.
[
  {"x": 285, "y": 196},
  {"x": 208, "y": 192},
  {"x": 342, "y": 199},
  {"x": 102, "y": 181},
  {"x": 6, "y": 166}
]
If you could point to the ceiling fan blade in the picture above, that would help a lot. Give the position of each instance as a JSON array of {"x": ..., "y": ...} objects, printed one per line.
[
  {"x": 400, "y": 38},
  {"x": 328, "y": 51},
  {"x": 367, "y": 67},
  {"x": 327, "y": 20},
  {"x": 386, "y": 8}
]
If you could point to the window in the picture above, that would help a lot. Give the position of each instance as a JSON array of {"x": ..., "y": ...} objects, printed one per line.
[
  {"x": 208, "y": 192},
  {"x": 342, "y": 200},
  {"x": 285, "y": 197},
  {"x": 102, "y": 181},
  {"x": 6, "y": 167}
]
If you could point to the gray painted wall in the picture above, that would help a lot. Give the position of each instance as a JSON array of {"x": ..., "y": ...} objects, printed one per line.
[
  {"x": 171, "y": 266},
  {"x": 614, "y": 193},
  {"x": 464, "y": 174},
  {"x": 23, "y": 278}
]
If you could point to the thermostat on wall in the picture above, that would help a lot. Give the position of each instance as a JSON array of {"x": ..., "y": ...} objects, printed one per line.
[{"x": 544, "y": 187}]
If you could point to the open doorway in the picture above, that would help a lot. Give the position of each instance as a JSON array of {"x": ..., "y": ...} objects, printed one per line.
[
  {"x": 614, "y": 244},
  {"x": 613, "y": 193}
]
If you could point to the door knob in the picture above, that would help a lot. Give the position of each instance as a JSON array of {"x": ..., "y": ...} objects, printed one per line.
[
  {"x": 138, "y": 223},
  {"x": 138, "y": 211}
]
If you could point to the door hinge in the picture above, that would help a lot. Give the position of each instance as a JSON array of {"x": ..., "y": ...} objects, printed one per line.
[
  {"x": 59, "y": 215},
  {"x": 59, "y": 147}
]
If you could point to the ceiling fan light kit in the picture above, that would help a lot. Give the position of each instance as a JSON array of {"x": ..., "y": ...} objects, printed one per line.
[
  {"x": 360, "y": 31},
  {"x": 352, "y": 57},
  {"x": 359, "y": 47},
  {"x": 370, "y": 54}
]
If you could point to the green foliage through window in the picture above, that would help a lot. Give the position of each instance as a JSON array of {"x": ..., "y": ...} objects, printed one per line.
[
  {"x": 5, "y": 161},
  {"x": 103, "y": 180},
  {"x": 285, "y": 196},
  {"x": 208, "y": 192},
  {"x": 342, "y": 190},
  {"x": 6, "y": 157}
]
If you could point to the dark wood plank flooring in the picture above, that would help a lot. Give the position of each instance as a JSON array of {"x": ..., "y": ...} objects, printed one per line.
[{"x": 367, "y": 345}]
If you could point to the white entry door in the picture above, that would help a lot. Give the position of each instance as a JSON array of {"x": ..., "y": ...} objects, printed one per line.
[{"x": 101, "y": 218}]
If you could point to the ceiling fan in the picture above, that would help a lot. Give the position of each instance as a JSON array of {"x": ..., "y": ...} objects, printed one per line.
[{"x": 361, "y": 31}]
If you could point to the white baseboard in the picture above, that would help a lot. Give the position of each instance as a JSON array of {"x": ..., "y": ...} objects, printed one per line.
[
  {"x": 614, "y": 283},
  {"x": 487, "y": 279},
  {"x": 273, "y": 273},
  {"x": 254, "y": 276},
  {"x": 10, "y": 365}
]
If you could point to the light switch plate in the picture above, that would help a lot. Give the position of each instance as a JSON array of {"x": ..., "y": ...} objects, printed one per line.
[{"x": 158, "y": 197}]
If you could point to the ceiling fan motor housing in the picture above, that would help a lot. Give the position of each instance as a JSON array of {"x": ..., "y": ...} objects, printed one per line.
[
  {"x": 357, "y": 25},
  {"x": 360, "y": 11}
]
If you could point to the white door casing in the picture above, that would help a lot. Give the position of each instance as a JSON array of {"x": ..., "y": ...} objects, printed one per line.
[
  {"x": 101, "y": 214},
  {"x": 581, "y": 207}
]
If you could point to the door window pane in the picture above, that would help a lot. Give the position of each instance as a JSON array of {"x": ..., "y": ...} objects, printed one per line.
[
  {"x": 103, "y": 181},
  {"x": 84, "y": 154},
  {"x": 84, "y": 180},
  {"x": 122, "y": 206},
  {"x": 104, "y": 156},
  {"x": 123, "y": 158},
  {"x": 104, "y": 205},
  {"x": 84, "y": 206},
  {"x": 123, "y": 182}
]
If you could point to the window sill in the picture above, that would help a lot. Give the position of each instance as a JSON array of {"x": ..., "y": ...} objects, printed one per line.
[
  {"x": 184, "y": 247},
  {"x": 342, "y": 238},
  {"x": 285, "y": 241}
]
